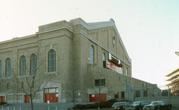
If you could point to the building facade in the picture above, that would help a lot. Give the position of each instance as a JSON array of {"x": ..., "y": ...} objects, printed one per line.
[
  {"x": 173, "y": 79},
  {"x": 67, "y": 61}
]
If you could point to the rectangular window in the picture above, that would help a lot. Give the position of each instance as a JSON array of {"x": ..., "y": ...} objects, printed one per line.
[
  {"x": 122, "y": 94},
  {"x": 100, "y": 82},
  {"x": 51, "y": 90},
  {"x": 91, "y": 55},
  {"x": 103, "y": 56},
  {"x": 137, "y": 93},
  {"x": 145, "y": 94},
  {"x": 52, "y": 60}
]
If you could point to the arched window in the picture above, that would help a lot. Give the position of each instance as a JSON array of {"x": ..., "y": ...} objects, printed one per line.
[
  {"x": 104, "y": 56},
  {"x": 22, "y": 66},
  {"x": 1, "y": 75},
  {"x": 91, "y": 54},
  {"x": 8, "y": 69},
  {"x": 33, "y": 64},
  {"x": 113, "y": 41},
  {"x": 51, "y": 60}
]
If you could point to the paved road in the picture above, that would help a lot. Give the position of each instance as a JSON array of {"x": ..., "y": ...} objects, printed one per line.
[
  {"x": 39, "y": 106},
  {"x": 48, "y": 107}
]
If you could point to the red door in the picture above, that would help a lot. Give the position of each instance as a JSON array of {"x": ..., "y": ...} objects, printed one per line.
[
  {"x": 26, "y": 99},
  {"x": 50, "y": 97},
  {"x": 92, "y": 98},
  {"x": 97, "y": 97},
  {"x": 2, "y": 99}
]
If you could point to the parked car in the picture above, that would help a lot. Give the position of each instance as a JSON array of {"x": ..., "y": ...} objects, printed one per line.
[
  {"x": 157, "y": 105},
  {"x": 122, "y": 106},
  {"x": 138, "y": 105},
  {"x": 84, "y": 106},
  {"x": 105, "y": 104},
  {"x": 108, "y": 103}
]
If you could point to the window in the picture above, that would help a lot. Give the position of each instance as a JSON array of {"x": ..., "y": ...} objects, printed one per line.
[
  {"x": 122, "y": 94},
  {"x": 137, "y": 93},
  {"x": 22, "y": 85},
  {"x": 104, "y": 56},
  {"x": 51, "y": 90},
  {"x": 51, "y": 60},
  {"x": 7, "y": 86},
  {"x": 100, "y": 82},
  {"x": 1, "y": 75},
  {"x": 126, "y": 71},
  {"x": 22, "y": 66},
  {"x": 145, "y": 93},
  {"x": 8, "y": 69},
  {"x": 104, "y": 59},
  {"x": 113, "y": 41},
  {"x": 33, "y": 64},
  {"x": 91, "y": 55}
]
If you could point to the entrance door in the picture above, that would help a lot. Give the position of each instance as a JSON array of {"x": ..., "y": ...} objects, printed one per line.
[
  {"x": 26, "y": 99},
  {"x": 2, "y": 99},
  {"x": 51, "y": 95}
]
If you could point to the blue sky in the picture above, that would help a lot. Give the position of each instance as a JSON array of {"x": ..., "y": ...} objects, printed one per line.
[{"x": 148, "y": 28}]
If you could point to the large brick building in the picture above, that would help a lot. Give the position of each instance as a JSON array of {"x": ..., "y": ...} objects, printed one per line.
[{"x": 69, "y": 61}]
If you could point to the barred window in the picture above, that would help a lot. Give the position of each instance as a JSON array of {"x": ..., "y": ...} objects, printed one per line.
[
  {"x": 51, "y": 60},
  {"x": 33, "y": 64},
  {"x": 22, "y": 66},
  {"x": 8, "y": 69}
]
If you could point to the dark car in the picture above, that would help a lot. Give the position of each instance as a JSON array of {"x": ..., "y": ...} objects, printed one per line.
[
  {"x": 104, "y": 104},
  {"x": 138, "y": 105}
]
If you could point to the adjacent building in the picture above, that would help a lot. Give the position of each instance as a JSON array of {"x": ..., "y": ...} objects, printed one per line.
[
  {"x": 173, "y": 79},
  {"x": 69, "y": 61}
]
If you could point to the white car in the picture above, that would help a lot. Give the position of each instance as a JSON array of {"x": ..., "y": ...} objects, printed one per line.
[
  {"x": 154, "y": 105},
  {"x": 138, "y": 105},
  {"x": 122, "y": 106}
]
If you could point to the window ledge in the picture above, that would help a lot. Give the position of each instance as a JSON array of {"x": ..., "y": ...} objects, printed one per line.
[{"x": 54, "y": 72}]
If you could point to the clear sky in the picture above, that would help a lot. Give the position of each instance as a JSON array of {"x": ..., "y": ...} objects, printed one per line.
[{"x": 148, "y": 28}]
